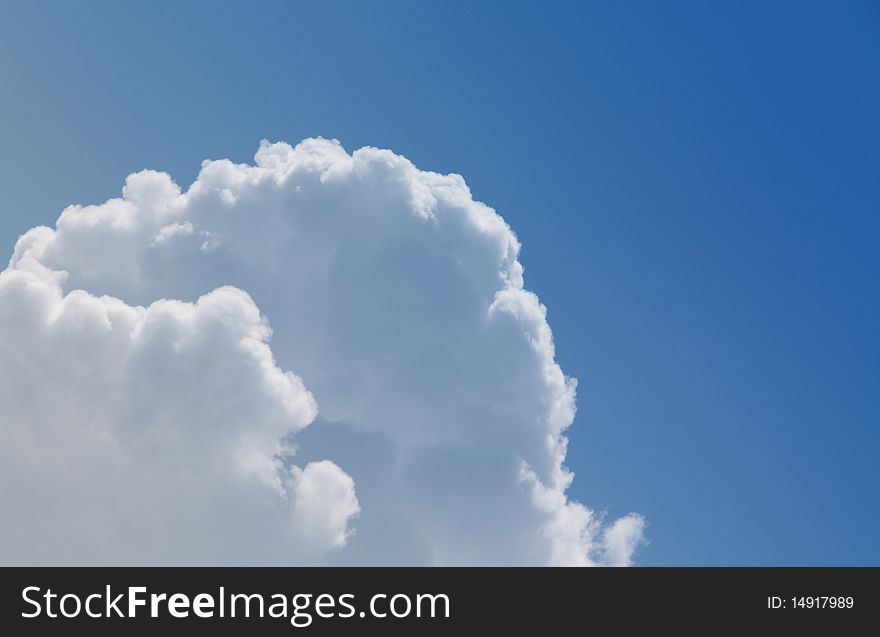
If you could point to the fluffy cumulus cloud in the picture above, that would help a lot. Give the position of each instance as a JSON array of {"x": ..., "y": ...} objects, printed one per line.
[{"x": 404, "y": 407}]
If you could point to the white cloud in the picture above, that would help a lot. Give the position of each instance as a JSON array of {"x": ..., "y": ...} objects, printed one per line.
[
  {"x": 622, "y": 538},
  {"x": 396, "y": 298},
  {"x": 143, "y": 434}
]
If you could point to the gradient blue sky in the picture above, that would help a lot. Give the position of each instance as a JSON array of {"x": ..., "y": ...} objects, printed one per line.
[{"x": 695, "y": 184}]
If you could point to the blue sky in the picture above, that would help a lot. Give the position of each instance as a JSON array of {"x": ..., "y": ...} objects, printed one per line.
[{"x": 695, "y": 185}]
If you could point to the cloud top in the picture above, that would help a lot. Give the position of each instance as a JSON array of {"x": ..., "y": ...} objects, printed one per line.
[{"x": 393, "y": 296}]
